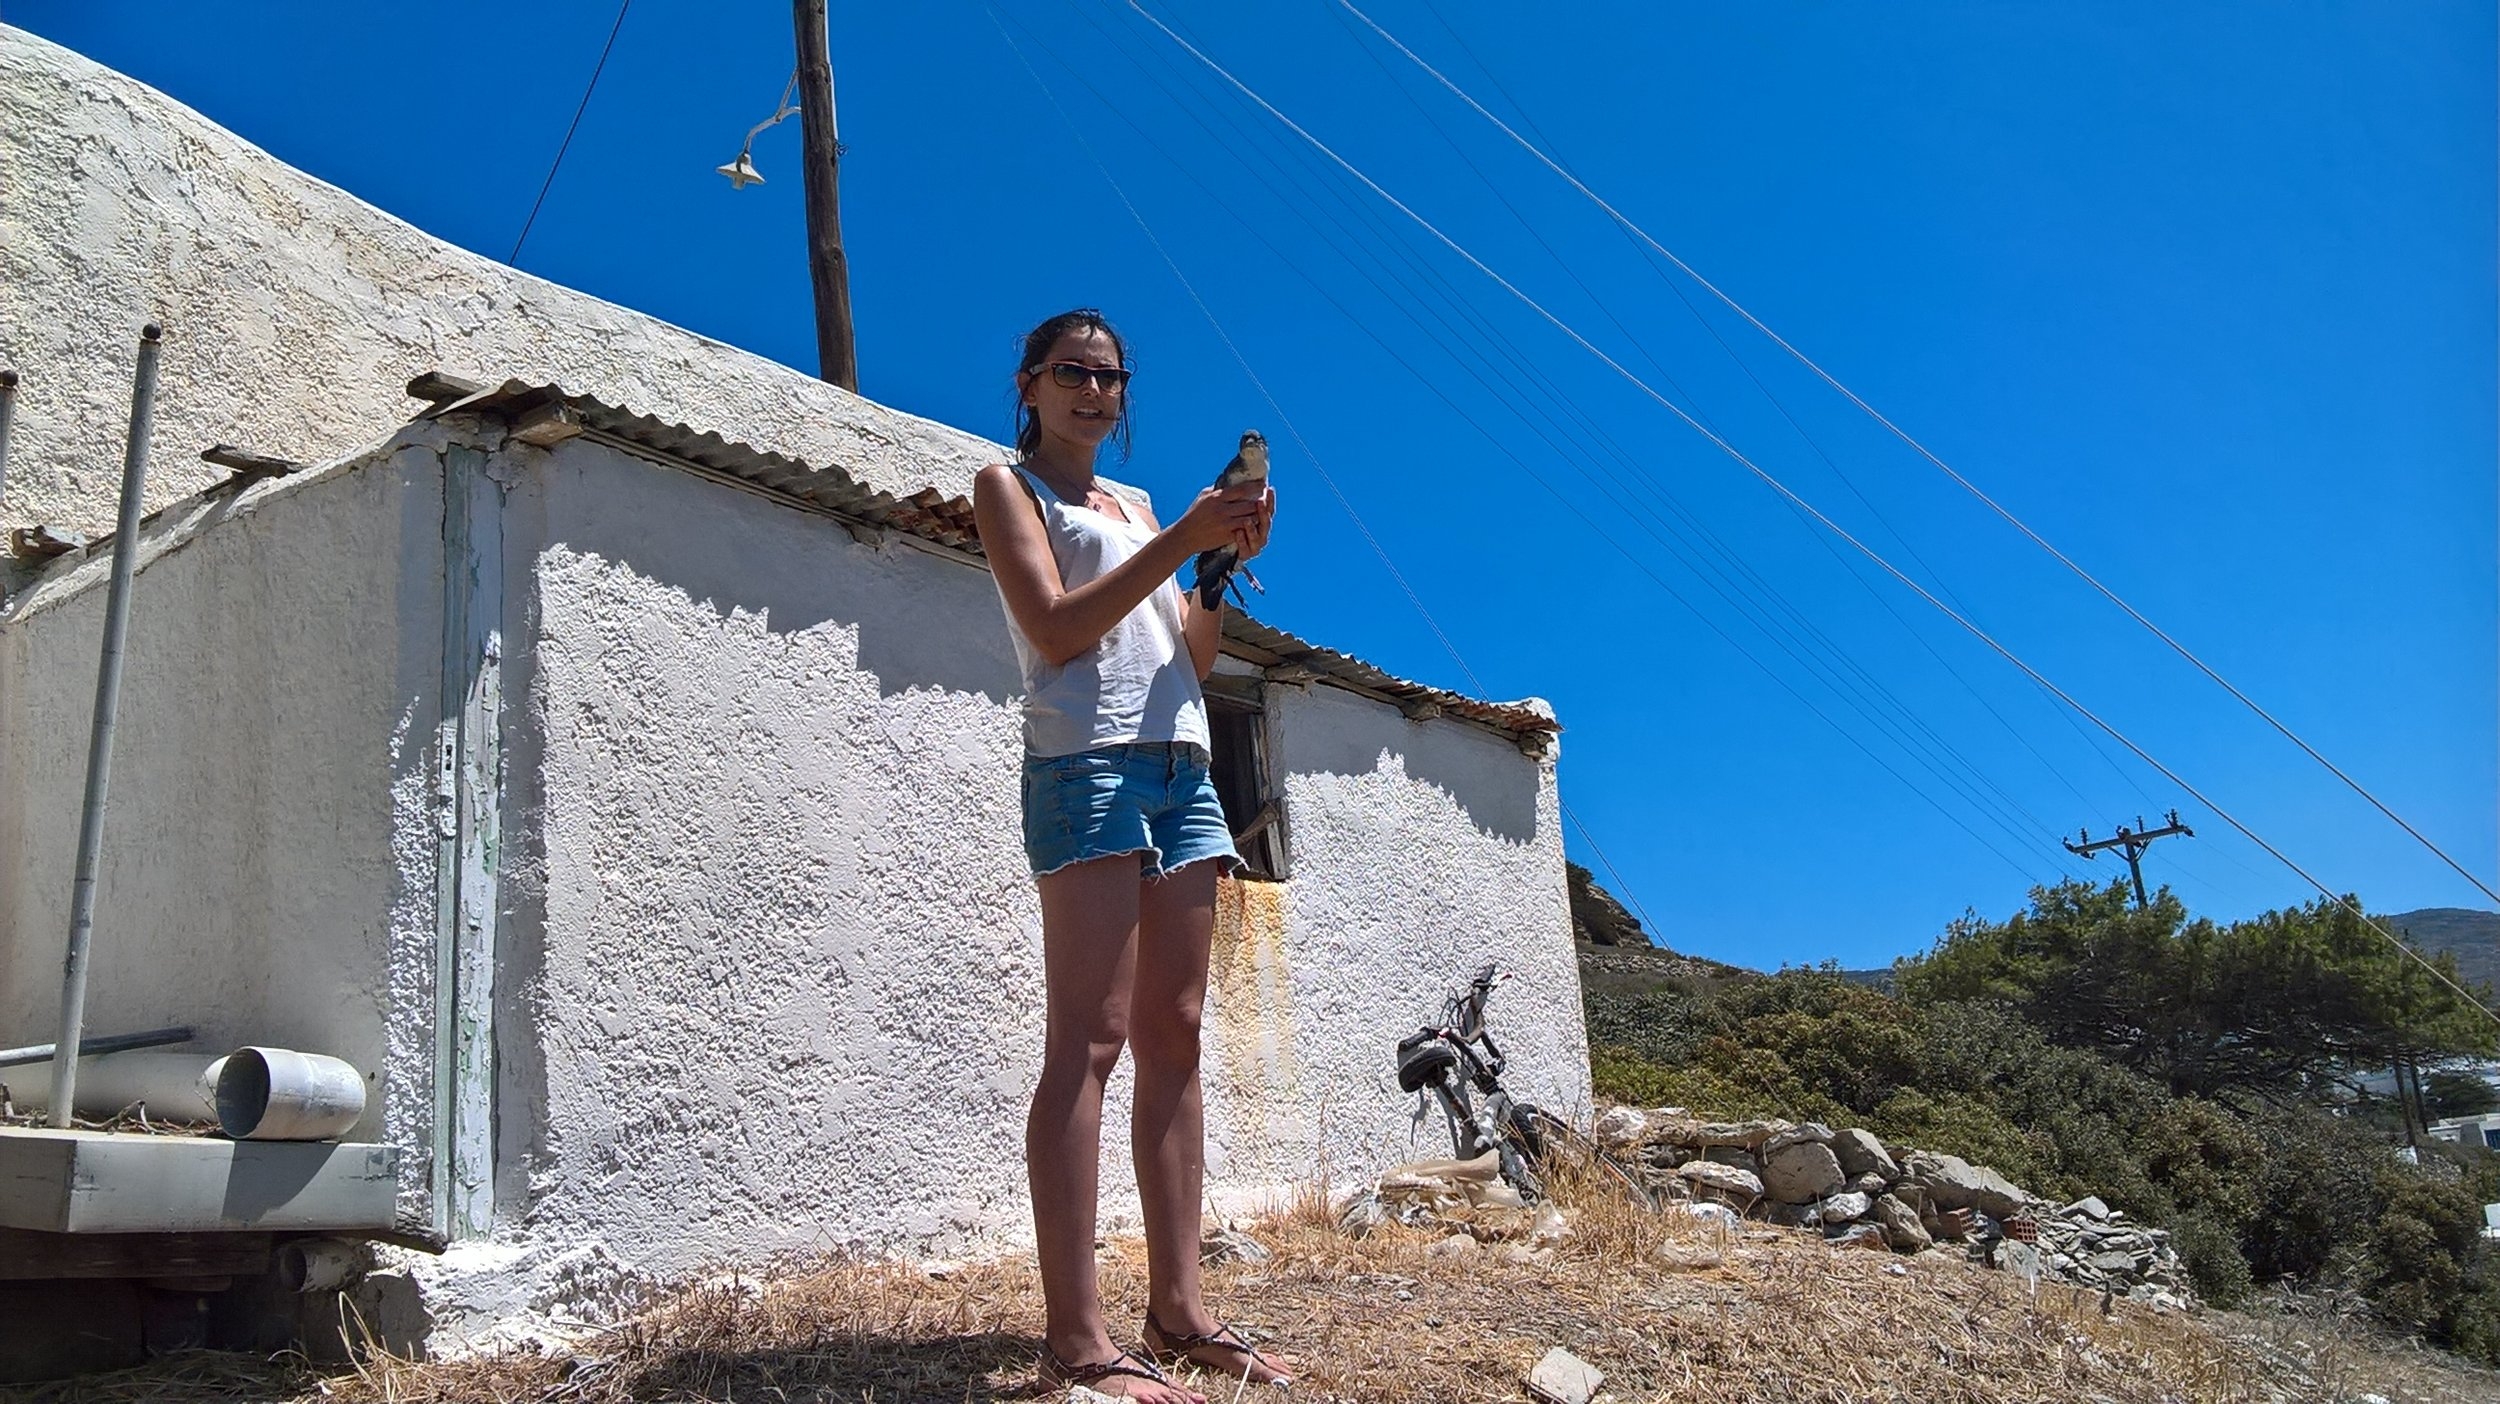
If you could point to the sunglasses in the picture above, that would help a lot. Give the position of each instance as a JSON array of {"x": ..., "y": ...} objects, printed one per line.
[{"x": 1068, "y": 375}]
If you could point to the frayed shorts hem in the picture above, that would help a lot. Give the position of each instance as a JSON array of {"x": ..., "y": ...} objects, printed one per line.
[
  {"x": 1154, "y": 799},
  {"x": 1151, "y": 871}
]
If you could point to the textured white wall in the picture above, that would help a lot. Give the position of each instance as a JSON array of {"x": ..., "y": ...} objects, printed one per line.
[
  {"x": 296, "y": 313},
  {"x": 779, "y": 984},
  {"x": 786, "y": 987},
  {"x": 1420, "y": 849},
  {"x": 267, "y": 875}
]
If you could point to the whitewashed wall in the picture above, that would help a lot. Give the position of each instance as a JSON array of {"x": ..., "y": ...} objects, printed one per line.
[
  {"x": 1419, "y": 850},
  {"x": 769, "y": 960},
  {"x": 266, "y": 874},
  {"x": 297, "y": 312}
]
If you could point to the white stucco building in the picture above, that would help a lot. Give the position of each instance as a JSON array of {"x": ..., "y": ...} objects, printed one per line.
[{"x": 618, "y": 763}]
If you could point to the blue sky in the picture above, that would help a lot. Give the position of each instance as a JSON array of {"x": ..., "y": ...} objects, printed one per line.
[{"x": 2206, "y": 294}]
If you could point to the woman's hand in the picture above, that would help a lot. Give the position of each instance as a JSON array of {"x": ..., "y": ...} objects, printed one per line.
[
  {"x": 1225, "y": 516},
  {"x": 1253, "y": 539}
]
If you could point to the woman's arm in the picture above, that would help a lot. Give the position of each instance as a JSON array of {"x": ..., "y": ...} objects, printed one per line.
[{"x": 1061, "y": 622}]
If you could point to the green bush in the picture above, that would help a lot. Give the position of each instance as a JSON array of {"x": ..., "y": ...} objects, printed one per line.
[
  {"x": 2212, "y": 1254},
  {"x": 2256, "y": 1183}
]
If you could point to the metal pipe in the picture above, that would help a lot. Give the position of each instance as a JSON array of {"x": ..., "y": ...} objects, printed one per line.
[
  {"x": 8, "y": 409},
  {"x": 91, "y": 1047},
  {"x": 108, "y": 691}
]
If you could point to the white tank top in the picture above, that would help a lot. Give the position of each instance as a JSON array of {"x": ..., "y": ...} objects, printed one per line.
[{"x": 1138, "y": 683}]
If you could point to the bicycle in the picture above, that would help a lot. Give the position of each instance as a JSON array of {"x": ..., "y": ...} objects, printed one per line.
[{"x": 1457, "y": 1062}]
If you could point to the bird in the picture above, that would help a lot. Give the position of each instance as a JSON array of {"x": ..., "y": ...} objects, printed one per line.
[{"x": 1216, "y": 567}]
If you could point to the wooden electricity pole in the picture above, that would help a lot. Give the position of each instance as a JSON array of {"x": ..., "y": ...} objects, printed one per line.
[
  {"x": 836, "y": 358},
  {"x": 2132, "y": 842}
]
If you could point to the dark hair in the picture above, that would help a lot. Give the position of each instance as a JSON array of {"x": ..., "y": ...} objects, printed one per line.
[{"x": 1037, "y": 344}]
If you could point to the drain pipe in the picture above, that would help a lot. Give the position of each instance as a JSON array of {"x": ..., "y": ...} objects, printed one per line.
[
  {"x": 8, "y": 408},
  {"x": 108, "y": 690}
]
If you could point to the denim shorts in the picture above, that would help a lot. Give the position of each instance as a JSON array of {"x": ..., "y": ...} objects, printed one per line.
[{"x": 1153, "y": 798}]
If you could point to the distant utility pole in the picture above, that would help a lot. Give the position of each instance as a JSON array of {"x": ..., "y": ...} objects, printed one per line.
[
  {"x": 836, "y": 359},
  {"x": 2132, "y": 842}
]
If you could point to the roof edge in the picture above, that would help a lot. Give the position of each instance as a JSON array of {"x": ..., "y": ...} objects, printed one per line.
[{"x": 546, "y": 414}]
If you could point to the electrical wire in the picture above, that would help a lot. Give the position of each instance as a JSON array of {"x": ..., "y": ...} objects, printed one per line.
[
  {"x": 1924, "y": 452},
  {"x": 1722, "y": 582},
  {"x": 1820, "y": 539},
  {"x": 1773, "y": 482},
  {"x": 514, "y": 258},
  {"x": 1524, "y": 370},
  {"x": 1325, "y": 476}
]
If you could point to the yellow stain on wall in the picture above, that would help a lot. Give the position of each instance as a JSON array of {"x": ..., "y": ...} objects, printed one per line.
[{"x": 1254, "y": 1072}]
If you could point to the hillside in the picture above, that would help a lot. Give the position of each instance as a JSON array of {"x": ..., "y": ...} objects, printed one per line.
[{"x": 2472, "y": 937}]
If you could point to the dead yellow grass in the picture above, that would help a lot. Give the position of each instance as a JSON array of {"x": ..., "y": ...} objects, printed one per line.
[{"x": 1671, "y": 1312}]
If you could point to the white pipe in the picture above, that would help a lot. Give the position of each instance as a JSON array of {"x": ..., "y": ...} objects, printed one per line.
[{"x": 175, "y": 1086}]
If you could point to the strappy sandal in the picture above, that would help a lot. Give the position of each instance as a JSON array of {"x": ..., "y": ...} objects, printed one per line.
[
  {"x": 1174, "y": 1347},
  {"x": 1059, "y": 1374}
]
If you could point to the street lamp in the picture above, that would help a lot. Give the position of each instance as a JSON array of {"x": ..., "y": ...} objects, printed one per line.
[{"x": 742, "y": 172}]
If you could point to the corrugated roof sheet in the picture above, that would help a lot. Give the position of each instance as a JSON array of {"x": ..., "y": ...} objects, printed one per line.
[{"x": 549, "y": 413}]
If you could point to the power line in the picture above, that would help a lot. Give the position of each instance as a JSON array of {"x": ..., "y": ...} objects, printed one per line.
[
  {"x": 1325, "y": 476},
  {"x": 1726, "y": 586},
  {"x": 1802, "y": 642},
  {"x": 549, "y": 183},
  {"x": 1773, "y": 482},
  {"x": 1924, "y": 452}
]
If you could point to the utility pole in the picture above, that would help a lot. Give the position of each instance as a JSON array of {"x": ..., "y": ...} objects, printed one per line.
[
  {"x": 836, "y": 359},
  {"x": 2132, "y": 842}
]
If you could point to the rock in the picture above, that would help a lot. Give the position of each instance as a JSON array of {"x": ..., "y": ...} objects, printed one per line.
[
  {"x": 1457, "y": 1245},
  {"x": 1794, "y": 1215},
  {"x": 2088, "y": 1207},
  {"x": 1220, "y": 1242},
  {"x": 1869, "y": 1184},
  {"x": 1797, "y": 1135},
  {"x": 1596, "y": 917},
  {"x": 1860, "y": 1236},
  {"x": 1900, "y": 1225},
  {"x": 1618, "y": 1127},
  {"x": 1801, "y": 1173},
  {"x": 1688, "y": 1257},
  {"x": 1717, "y": 1216},
  {"x": 1737, "y": 1156},
  {"x": 1954, "y": 1183},
  {"x": 1726, "y": 1179},
  {"x": 1861, "y": 1154},
  {"x": 1702, "y": 1134},
  {"x": 1549, "y": 1226},
  {"x": 1846, "y": 1207},
  {"x": 1564, "y": 1378},
  {"x": 2022, "y": 1258}
]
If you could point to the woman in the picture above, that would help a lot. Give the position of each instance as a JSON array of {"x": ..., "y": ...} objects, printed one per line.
[{"x": 1126, "y": 839}]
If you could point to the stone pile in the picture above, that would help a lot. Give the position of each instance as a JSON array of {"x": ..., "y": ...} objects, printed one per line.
[{"x": 1850, "y": 1187}]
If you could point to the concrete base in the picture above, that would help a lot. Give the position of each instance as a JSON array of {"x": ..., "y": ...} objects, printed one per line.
[{"x": 103, "y": 1182}]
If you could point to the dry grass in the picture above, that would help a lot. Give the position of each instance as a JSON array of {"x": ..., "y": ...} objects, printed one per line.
[{"x": 1673, "y": 1313}]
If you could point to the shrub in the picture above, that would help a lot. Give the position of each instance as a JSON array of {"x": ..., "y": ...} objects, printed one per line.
[{"x": 2212, "y": 1254}]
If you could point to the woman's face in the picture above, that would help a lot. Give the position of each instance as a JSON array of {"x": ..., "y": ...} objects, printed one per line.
[{"x": 1087, "y": 414}]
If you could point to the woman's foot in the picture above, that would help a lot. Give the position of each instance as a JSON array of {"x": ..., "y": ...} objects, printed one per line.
[
  {"x": 1116, "y": 1373},
  {"x": 1218, "y": 1349}
]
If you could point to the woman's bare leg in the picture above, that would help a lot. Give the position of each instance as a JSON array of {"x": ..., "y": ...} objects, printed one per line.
[
  {"x": 1167, "y": 1136},
  {"x": 1089, "y": 956}
]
